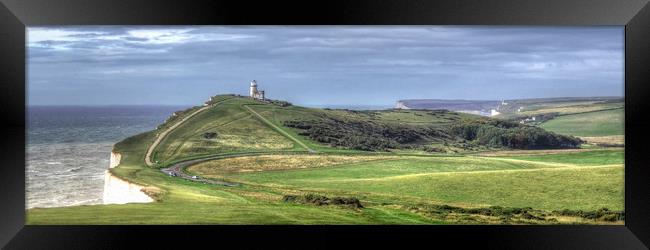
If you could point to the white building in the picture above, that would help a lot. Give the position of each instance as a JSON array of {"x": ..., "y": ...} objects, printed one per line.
[
  {"x": 255, "y": 93},
  {"x": 530, "y": 119}
]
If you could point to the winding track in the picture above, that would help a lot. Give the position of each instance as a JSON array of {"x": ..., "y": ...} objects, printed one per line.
[{"x": 177, "y": 169}]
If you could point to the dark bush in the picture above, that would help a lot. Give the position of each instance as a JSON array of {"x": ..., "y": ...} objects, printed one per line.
[
  {"x": 600, "y": 214},
  {"x": 434, "y": 150},
  {"x": 289, "y": 198},
  {"x": 209, "y": 135},
  {"x": 320, "y": 200},
  {"x": 354, "y": 202},
  {"x": 528, "y": 213},
  {"x": 316, "y": 199},
  {"x": 529, "y": 216},
  {"x": 609, "y": 217}
]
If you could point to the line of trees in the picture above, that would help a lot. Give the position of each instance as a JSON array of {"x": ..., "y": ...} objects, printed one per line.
[
  {"x": 372, "y": 135},
  {"x": 364, "y": 135},
  {"x": 499, "y": 133}
]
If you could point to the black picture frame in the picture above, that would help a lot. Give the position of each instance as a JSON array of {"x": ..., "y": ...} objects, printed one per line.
[{"x": 15, "y": 15}]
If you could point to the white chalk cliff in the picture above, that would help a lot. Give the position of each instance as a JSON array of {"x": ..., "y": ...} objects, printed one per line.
[
  {"x": 118, "y": 191},
  {"x": 115, "y": 160},
  {"x": 401, "y": 105}
]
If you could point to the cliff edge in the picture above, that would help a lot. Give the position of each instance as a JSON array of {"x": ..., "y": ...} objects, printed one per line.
[{"x": 118, "y": 191}]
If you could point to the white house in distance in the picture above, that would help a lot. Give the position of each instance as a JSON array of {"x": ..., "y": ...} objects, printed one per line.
[{"x": 530, "y": 119}]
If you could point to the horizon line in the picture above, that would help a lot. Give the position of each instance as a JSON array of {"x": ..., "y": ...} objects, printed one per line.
[{"x": 398, "y": 100}]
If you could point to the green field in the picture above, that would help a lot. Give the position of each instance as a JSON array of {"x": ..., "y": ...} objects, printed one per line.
[
  {"x": 600, "y": 123},
  {"x": 468, "y": 180},
  {"x": 570, "y": 108},
  {"x": 395, "y": 187},
  {"x": 588, "y": 158}
]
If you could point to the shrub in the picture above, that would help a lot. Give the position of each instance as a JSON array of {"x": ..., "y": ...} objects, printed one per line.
[
  {"x": 209, "y": 135},
  {"x": 320, "y": 200},
  {"x": 289, "y": 198},
  {"x": 600, "y": 214},
  {"x": 434, "y": 150}
]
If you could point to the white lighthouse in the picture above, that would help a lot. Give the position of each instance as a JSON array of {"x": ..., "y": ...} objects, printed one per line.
[
  {"x": 253, "y": 88},
  {"x": 254, "y": 93}
]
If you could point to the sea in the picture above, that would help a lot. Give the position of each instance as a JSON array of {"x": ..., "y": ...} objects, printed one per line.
[
  {"x": 353, "y": 107},
  {"x": 68, "y": 148}
]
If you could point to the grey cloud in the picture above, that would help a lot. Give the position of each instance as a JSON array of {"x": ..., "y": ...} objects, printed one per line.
[{"x": 318, "y": 65}]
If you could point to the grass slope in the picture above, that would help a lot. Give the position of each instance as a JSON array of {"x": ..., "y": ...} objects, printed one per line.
[{"x": 237, "y": 130}]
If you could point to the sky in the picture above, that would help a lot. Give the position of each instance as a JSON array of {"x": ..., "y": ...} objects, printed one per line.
[{"x": 320, "y": 65}]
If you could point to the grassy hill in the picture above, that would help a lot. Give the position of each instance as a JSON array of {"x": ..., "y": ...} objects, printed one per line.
[
  {"x": 240, "y": 125},
  {"x": 288, "y": 176},
  {"x": 226, "y": 128}
]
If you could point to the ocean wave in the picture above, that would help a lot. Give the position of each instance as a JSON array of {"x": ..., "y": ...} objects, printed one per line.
[
  {"x": 69, "y": 170},
  {"x": 74, "y": 169},
  {"x": 57, "y": 202}
]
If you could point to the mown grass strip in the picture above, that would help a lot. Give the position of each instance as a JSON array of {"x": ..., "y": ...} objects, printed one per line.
[{"x": 281, "y": 131}]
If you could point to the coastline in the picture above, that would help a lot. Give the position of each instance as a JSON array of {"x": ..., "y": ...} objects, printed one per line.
[{"x": 119, "y": 191}]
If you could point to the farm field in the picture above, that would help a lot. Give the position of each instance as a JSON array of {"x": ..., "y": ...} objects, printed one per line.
[
  {"x": 286, "y": 177},
  {"x": 570, "y": 108},
  {"x": 559, "y": 106},
  {"x": 591, "y": 124},
  {"x": 479, "y": 181}
]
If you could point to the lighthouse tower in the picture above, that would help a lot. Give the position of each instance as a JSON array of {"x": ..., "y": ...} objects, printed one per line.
[
  {"x": 253, "y": 88},
  {"x": 254, "y": 93}
]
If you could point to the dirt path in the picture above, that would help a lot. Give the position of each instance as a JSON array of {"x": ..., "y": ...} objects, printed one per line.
[{"x": 177, "y": 170}]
